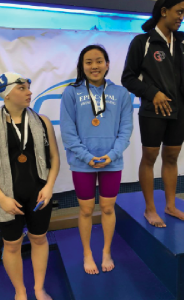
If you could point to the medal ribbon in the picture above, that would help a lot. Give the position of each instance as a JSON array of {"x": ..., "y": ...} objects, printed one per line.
[
  {"x": 20, "y": 136},
  {"x": 94, "y": 105}
]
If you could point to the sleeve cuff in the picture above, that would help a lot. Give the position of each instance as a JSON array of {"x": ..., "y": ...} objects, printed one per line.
[
  {"x": 88, "y": 158},
  {"x": 112, "y": 155},
  {"x": 150, "y": 93}
]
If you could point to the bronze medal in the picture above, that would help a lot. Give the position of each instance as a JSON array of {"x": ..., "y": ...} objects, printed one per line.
[
  {"x": 22, "y": 158},
  {"x": 95, "y": 122}
]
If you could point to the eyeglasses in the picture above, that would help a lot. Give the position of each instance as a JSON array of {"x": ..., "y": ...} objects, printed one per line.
[{"x": 17, "y": 81}]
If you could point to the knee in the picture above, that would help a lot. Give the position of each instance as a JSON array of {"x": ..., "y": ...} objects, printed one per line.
[
  {"x": 37, "y": 239},
  {"x": 170, "y": 155},
  {"x": 170, "y": 159},
  {"x": 86, "y": 212},
  {"x": 13, "y": 247},
  {"x": 107, "y": 210},
  {"x": 149, "y": 157}
]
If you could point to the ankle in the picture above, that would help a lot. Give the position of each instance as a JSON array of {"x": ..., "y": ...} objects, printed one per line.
[
  {"x": 38, "y": 289},
  {"x": 88, "y": 253},
  {"x": 21, "y": 291},
  {"x": 150, "y": 209},
  {"x": 170, "y": 207},
  {"x": 106, "y": 251}
]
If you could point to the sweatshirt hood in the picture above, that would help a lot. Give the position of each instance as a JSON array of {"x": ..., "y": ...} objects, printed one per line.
[{"x": 108, "y": 81}]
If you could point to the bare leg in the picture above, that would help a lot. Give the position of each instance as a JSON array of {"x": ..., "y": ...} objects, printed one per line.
[
  {"x": 108, "y": 225},
  {"x": 147, "y": 184},
  {"x": 12, "y": 261},
  {"x": 169, "y": 175},
  {"x": 39, "y": 256},
  {"x": 85, "y": 226}
]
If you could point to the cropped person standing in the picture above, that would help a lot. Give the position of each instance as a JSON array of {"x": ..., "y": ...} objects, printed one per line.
[
  {"x": 96, "y": 125},
  {"x": 29, "y": 164},
  {"x": 154, "y": 71}
]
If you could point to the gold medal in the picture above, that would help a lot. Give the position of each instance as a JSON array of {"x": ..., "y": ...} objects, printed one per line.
[
  {"x": 95, "y": 122},
  {"x": 22, "y": 158}
]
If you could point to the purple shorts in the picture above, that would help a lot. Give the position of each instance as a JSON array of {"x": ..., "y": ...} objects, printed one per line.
[{"x": 85, "y": 184}]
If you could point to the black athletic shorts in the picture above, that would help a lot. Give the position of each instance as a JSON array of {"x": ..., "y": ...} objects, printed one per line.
[
  {"x": 37, "y": 222},
  {"x": 155, "y": 131}
]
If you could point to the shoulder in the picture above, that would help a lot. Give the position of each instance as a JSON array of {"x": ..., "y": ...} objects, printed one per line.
[
  {"x": 118, "y": 88},
  {"x": 69, "y": 93},
  {"x": 141, "y": 38},
  {"x": 71, "y": 89},
  {"x": 139, "y": 41},
  {"x": 120, "y": 93},
  {"x": 46, "y": 121}
]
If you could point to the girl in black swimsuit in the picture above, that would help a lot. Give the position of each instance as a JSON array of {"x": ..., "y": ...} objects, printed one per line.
[{"x": 28, "y": 184}]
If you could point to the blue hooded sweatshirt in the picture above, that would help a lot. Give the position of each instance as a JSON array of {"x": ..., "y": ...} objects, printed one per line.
[{"x": 82, "y": 140}]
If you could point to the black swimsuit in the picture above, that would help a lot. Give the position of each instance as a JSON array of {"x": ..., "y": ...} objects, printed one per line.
[
  {"x": 26, "y": 186},
  {"x": 24, "y": 175}
]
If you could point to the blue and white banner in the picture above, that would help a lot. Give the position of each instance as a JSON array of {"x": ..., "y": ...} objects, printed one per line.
[{"x": 49, "y": 58}]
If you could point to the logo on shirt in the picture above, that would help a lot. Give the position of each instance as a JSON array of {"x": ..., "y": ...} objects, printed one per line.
[{"x": 159, "y": 56}]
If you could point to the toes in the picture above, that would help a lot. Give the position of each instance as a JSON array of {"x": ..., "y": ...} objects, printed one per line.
[
  {"x": 158, "y": 224},
  {"x": 91, "y": 271},
  {"x": 108, "y": 268},
  {"x": 161, "y": 225},
  {"x": 111, "y": 268}
]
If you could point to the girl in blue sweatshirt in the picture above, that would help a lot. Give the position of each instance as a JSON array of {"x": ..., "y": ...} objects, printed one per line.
[{"x": 96, "y": 125}]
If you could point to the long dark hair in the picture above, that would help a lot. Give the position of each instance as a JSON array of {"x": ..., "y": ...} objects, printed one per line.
[
  {"x": 156, "y": 13},
  {"x": 80, "y": 71}
]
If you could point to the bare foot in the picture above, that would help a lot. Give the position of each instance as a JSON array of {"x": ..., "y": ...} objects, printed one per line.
[
  {"x": 21, "y": 296},
  {"x": 89, "y": 265},
  {"x": 175, "y": 213},
  {"x": 154, "y": 219},
  {"x": 107, "y": 262},
  {"x": 42, "y": 295}
]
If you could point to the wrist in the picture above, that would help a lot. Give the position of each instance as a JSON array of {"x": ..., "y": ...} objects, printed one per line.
[
  {"x": 2, "y": 198},
  {"x": 50, "y": 185}
]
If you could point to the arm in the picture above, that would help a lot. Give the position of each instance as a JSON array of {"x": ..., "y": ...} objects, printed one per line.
[
  {"x": 132, "y": 70},
  {"x": 70, "y": 137},
  {"x": 2, "y": 196},
  {"x": 125, "y": 128},
  {"x": 46, "y": 193}
]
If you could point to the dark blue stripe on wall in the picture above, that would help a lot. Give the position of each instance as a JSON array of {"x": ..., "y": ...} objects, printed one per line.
[{"x": 138, "y": 6}]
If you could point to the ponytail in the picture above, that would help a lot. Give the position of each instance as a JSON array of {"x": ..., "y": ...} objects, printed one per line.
[
  {"x": 156, "y": 15},
  {"x": 149, "y": 24}
]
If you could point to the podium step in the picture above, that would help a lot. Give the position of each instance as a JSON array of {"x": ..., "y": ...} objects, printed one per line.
[
  {"x": 131, "y": 278},
  {"x": 162, "y": 249},
  {"x": 68, "y": 218}
]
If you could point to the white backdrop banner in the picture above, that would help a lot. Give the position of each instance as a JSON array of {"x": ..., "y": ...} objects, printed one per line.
[{"x": 49, "y": 58}]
